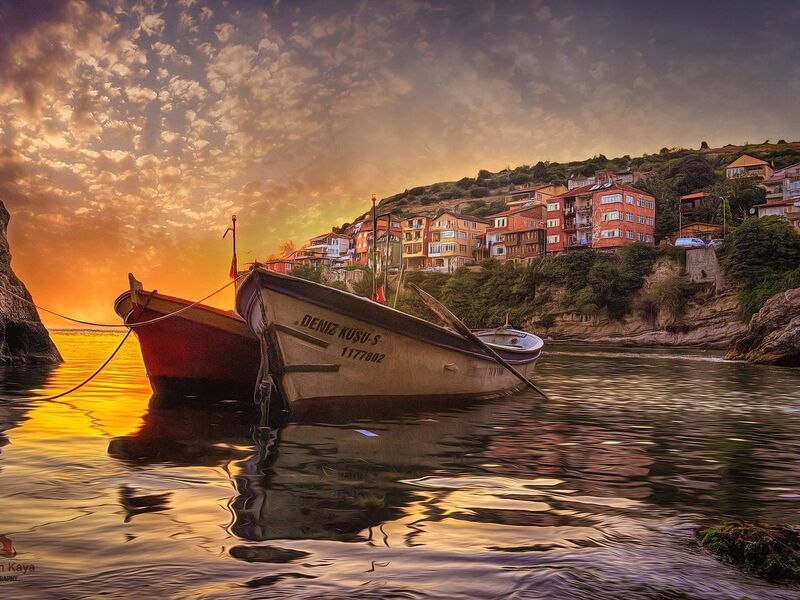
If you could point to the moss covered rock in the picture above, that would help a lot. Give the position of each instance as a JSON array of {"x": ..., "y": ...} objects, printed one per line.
[{"x": 771, "y": 552}]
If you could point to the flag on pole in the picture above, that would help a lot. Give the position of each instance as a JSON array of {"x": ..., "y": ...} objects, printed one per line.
[{"x": 233, "y": 267}]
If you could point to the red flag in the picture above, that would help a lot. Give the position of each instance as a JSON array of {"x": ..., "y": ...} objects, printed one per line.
[
  {"x": 378, "y": 297},
  {"x": 233, "y": 273}
]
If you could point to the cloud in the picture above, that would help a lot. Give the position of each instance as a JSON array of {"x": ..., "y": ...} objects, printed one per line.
[
  {"x": 139, "y": 128},
  {"x": 152, "y": 24}
]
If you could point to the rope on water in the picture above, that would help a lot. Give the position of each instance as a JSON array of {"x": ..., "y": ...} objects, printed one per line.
[{"x": 130, "y": 325}]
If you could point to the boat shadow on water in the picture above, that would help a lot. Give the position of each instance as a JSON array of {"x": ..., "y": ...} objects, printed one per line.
[{"x": 316, "y": 475}]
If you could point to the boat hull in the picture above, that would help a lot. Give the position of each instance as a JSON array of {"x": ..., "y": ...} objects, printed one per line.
[
  {"x": 202, "y": 352},
  {"x": 326, "y": 345}
]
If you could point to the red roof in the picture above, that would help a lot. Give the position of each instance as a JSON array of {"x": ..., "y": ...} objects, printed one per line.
[{"x": 693, "y": 196}]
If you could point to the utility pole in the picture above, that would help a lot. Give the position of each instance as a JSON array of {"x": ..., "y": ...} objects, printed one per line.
[{"x": 374, "y": 247}]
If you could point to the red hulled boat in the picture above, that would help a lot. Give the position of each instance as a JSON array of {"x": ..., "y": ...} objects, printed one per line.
[{"x": 203, "y": 351}]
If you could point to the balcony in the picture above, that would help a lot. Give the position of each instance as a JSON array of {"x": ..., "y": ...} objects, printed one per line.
[{"x": 570, "y": 225}]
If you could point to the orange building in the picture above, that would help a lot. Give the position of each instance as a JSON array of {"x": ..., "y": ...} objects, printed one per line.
[
  {"x": 748, "y": 166},
  {"x": 416, "y": 236},
  {"x": 455, "y": 240},
  {"x": 600, "y": 216},
  {"x": 506, "y": 222},
  {"x": 536, "y": 194}
]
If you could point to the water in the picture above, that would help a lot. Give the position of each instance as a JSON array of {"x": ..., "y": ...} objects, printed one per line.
[{"x": 595, "y": 494}]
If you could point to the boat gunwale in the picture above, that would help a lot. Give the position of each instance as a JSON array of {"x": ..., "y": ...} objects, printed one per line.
[
  {"x": 232, "y": 316},
  {"x": 516, "y": 356}
]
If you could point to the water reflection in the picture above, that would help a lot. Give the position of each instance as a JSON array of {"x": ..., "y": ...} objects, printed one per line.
[{"x": 593, "y": 494}]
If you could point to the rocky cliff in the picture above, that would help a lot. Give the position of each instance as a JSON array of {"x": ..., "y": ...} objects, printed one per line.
[
  {"x": 23, "y": 338},
  {"x": 773, "y": 334},
  {"x": 708, "y": 318}
]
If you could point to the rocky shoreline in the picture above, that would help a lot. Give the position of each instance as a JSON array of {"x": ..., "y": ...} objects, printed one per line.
[{"x": 23, "y": 338}]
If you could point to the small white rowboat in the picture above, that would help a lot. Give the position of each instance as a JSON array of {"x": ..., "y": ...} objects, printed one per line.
[{"x": 326, "y": 344}]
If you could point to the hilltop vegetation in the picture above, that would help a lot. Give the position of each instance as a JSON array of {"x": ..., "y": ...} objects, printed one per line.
[
  {"x": 676, "y": 172},
  {"x": 593, "y": 284}
]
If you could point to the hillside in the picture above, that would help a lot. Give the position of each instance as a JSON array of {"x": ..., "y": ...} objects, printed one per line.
[{"x": 676, "y": 171}]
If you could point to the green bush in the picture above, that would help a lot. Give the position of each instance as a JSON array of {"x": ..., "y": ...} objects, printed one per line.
[
  {"x": 761, "y": 247},
  {"x": 479, "y": 192},
  {"x": 753, "y": 298},
  {"x": 450, "y": 194},
  {"x": 307, "y": 272},
  {"x": 764, "y": 254}
]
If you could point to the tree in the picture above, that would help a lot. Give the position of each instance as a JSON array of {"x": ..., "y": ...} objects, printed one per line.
[
  {"x": 690, "y": 173},
  {"x": 286, "y": 248},
  {"x": 307, "y": 272},
  {"x": 479, "y": 192},
  {"x": 703, "y": 145},
  {"x": 666, "y": 205},
  {"x": 761, "y": 247}
]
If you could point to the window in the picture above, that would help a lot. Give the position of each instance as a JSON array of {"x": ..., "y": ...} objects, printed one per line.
[
  {"x": 649, "y": 220},
  {"x": 639, "y": 219},
  {"x": 612, "y": 216},
  {"x": 649, "y": 238},
  {"x": 554, "y": 206},
  {"x": 640, "y": 202},
  {"x": 500, "y": 222},
  {"x": 553, "y": 222},
  {"x": 650, "y": 204},
  {"x": 611, "y": 199},
  {"x": 499, "y": 249},
  {"x": 553, "y": 239},
  {"x": 629, "y": 217},
  {"x": 640, "y": 236},
  {"x": 629, "y": 199},
  {"x": 462, "y": 248},
  {"x": 448, "y": 234},
  {"x": 610, "y": 233},
  {"x": 629, "y": 234}
]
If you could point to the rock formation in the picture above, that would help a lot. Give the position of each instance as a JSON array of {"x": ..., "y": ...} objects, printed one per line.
[
  {"x": 23, "y": 338},
  {"x": 710, "y": 318},
  {"x": 773, "y": 335}
]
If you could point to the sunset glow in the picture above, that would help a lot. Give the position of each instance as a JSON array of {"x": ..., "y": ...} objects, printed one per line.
[{"x": 130, "y": 132}]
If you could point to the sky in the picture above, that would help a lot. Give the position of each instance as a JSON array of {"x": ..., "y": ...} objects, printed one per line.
[{"x": 131, "y": 131}]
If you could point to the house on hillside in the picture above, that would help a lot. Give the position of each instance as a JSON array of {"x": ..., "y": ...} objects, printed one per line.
[
  {"x": 703, "y": 231},
  {"x": 602, "y": 216},
  {"x": 748, "y": 166},
  {"x": 783, "y": 194},
  {"x": 509, "y": 221},
  {"x": 690, "y": 204},
  {"x": 416, "y": 236},
  {"x": 603, "y": 176},
  {"x": 363, "y": 232},
  {"x": 280, "y": 265},
  {"x": 329, "y": 245},
  {"x": 455, "y": 240},
  {"x": 525, "y": 245},
  {"x": 534, "y": 194}
]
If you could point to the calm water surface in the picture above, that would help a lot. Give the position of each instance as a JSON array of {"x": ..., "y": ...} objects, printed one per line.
[{"x": 594, "y": 494}]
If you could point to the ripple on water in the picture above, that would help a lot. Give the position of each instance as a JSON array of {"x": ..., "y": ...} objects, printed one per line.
[{"x": 593, "y": 494}]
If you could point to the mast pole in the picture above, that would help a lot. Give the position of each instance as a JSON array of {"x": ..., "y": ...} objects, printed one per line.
[
  {"x": 235, "y": 260},
  {"x": 374, "y": 247}
]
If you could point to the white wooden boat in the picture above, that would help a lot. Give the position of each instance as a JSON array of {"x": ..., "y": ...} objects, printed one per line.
[{"x": 326, "y": 344}]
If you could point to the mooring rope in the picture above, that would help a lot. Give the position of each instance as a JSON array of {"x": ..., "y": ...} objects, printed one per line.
[{"x": 130, "y": 325}]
